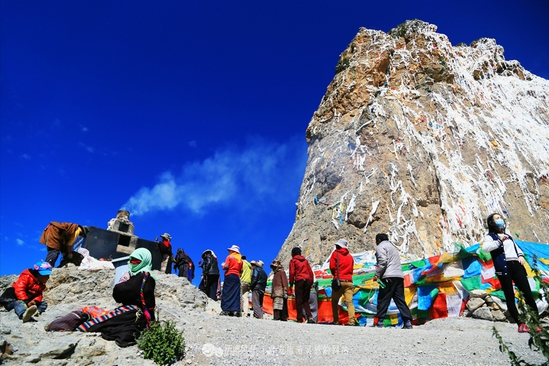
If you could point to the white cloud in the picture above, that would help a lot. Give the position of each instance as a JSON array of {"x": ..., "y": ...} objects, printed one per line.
[
  {"x": 20, "y": 242},
  {"x": 259, "y": 172},
  {"x": 89, "y": 149}
]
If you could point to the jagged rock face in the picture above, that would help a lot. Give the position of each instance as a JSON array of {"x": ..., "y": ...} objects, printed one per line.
[{"x": 422, "y": 140}]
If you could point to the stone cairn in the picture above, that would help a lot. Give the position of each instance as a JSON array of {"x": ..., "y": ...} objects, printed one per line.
[{"x": 483, "y": 306}]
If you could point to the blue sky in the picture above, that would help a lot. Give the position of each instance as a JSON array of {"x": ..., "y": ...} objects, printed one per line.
[{"x": 191, "y": 114}]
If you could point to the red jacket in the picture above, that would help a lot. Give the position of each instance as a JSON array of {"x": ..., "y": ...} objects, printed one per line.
[
  {"x": 346, "y": 264},
  {"x": 300, "y": 269},
  {"x": 27, "y": 287},
  {"x": 232, "y": 266}
]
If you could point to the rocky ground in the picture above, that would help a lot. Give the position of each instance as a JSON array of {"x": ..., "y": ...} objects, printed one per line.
[{"x": 217, "y": 340}]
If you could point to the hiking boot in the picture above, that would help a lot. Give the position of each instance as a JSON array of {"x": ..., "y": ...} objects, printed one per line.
[
  {"x": 379, "y": 324},
  {"x": 310, "y": 321},
  {"x": 407, "y": 325},
  {"x": 335, "y": 323},
  {"x": 27, "y": 315}
]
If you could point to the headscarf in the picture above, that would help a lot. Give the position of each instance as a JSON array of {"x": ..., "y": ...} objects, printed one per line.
[
  {"x": 276, "y": 266},
  {"x": 209, "y": 250},
  {"x": 145, "y": 256}
]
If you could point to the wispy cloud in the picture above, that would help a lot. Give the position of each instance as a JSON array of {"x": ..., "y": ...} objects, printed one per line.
[
  {"x": 25, "y": 156},
  {"x": 89, "y": 149},
  {"x": 20, "y": 242},
  {"x": 260, "y": 171}
]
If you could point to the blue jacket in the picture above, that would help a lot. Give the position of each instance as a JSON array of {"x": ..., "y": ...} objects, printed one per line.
[{"x": 259, "y": 280}]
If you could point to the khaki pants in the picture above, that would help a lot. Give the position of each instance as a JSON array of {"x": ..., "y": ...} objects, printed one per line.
[
  {"x": 165, "y": 263},
  {"x": 347, "y": 289},
  {"x": 245, "y": 298}
]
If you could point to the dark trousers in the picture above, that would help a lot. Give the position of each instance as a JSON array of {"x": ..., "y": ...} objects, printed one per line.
[
  {"x": 52, "y": 255},
  {"x": 184, "y": 271},
  {"x": 517, "y": 274},
  {"x": 210, "y": 286},
  {"x": 394, "y": 289},
  {"x": 302, "y": 294},
  {"x": 257, "y": 303},
  {"x": 281, "y": 315}
]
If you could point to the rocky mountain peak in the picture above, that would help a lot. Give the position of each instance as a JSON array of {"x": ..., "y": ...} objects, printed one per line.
[{"x": 422, "y": 140}]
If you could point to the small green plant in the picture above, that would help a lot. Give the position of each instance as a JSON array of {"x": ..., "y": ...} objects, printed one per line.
[
  {"x": 342, "y": 64},
  {"x": 538, "y": 327},
  {"x": 162, "y": 343}
]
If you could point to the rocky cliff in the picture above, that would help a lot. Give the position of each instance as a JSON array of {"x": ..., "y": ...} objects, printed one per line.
[{"x": 422, "y": 140}]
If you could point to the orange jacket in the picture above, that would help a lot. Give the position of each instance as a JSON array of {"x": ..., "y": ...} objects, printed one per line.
[
  {"x": 27, "y": 287},
  {"x": 60, "y": 235}
]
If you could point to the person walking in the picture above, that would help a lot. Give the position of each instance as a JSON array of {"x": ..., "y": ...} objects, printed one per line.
[
  {"x": 341, "y": 267},
  {"x": 165, "y": 247},
  {"x": 302, "y": 276},
  {"x": 509, "y": 263},
  {"x": 258, "y": 285},
  {"x": 391, "y": 278},
  {"x": 245, "y": 281},
  {"x": 210, "y": 274},
  {"x": 230, "y": 297},
  {"x": 184, "y": 264},
  {"x": 59, "y": 237}
]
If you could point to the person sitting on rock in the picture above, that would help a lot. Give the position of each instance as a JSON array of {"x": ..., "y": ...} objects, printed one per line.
[
  {"x": 135, "y": 290},
  {"x": 25, "y": 295}
]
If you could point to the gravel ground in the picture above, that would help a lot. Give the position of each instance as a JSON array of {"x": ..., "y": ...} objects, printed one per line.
[
  {"x": 219, "y": 340},
  {"x": 212, "y": 339}
]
